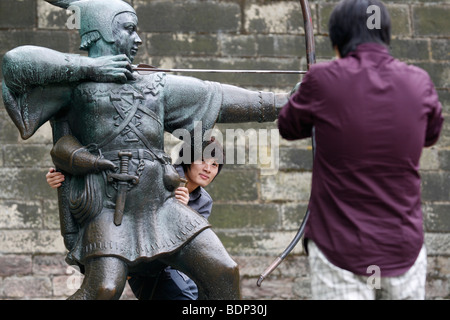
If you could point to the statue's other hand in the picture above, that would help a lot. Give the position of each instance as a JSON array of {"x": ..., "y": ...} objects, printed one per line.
[
  {"x": 104, "y": 164},
  {"x": 109, "y": 69}
]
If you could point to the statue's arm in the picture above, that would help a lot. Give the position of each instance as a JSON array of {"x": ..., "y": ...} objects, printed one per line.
[
  {"x": 31, "y": 66},
  {"x": 35, "y": 85},
  {"x": 213, "y": 102},
  {"x": 38, "y": 82},
  {"x": 242, "y": 105}
]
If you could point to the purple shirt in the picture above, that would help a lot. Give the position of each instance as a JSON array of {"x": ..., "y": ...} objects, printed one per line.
[{"x": 372, "y": 116}]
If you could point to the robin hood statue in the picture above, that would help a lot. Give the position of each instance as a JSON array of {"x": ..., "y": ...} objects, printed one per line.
[{"x": 118, "y": 213}]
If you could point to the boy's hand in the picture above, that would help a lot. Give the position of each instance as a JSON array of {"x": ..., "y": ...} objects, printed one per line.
[
  {"x": 54, "y": 178},
  {"x": 182, "y": 195}
]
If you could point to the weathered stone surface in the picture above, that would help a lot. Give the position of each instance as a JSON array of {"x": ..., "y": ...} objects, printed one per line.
[
  {"x": 15, "y": 265},
  {"x": 27, "y": 287},
  {"x": 431, "y": 20},
  {"x": 17, "y": 14}
]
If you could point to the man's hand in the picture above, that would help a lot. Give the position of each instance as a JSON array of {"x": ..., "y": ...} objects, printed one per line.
[
  {"x": 108, "y": 69},
  {"x": 182, "y": 195}
]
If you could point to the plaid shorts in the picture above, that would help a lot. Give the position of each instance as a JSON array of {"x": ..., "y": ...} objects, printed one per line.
[{"x": 329, "y": 282}]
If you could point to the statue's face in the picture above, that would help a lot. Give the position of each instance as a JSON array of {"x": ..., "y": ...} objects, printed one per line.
[{"x": 126, "y": 39}]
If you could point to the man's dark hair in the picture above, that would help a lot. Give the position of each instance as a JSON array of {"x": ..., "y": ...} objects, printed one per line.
[{"x": 348, "y": 25}]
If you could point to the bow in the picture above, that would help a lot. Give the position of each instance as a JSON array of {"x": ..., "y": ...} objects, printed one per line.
[{"x": 311, "y": 59}]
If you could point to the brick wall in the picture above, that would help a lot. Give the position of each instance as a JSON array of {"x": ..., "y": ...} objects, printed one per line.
[{"x": 256, "y": 212}]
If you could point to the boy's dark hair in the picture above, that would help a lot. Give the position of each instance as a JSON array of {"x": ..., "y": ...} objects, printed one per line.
[
  {"x": 348, "y": 25},
  {"x": 210, "y": 149}
]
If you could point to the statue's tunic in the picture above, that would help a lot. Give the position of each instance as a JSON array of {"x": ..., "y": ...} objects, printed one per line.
[{"x": 133, "y": 118}]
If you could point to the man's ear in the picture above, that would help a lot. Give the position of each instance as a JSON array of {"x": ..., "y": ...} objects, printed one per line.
[{"x": 336, "y": 50}]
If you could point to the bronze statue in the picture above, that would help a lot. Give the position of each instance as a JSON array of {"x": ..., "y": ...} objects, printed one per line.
[{"x": 117, "y": 208}]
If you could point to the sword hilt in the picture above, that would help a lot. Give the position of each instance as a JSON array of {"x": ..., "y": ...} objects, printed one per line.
[
  {"x": 123, "y": 177},
  {"x": 124, "y": 159}
]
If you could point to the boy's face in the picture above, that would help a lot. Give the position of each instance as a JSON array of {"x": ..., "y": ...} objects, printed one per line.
[
  {"x": 126, "y": 38},
  {"x": 203, "y": 172}
]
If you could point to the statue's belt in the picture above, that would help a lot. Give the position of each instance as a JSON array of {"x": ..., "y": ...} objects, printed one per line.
[
  {"x": 139, "y": 154},
  {"x": 126, "y": 180}
]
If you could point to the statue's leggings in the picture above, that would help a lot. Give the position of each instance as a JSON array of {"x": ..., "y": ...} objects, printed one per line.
[{"x": 204, "y": 259}]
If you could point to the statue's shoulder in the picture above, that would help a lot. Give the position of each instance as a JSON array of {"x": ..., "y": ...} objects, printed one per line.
[{"x": 151, "y": 83}]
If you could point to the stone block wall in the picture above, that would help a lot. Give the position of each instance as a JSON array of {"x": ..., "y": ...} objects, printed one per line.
[{"x": 258, "y": 205}]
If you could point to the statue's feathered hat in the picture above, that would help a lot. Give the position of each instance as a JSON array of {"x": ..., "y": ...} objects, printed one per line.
[{"x": 96, "y": 15}]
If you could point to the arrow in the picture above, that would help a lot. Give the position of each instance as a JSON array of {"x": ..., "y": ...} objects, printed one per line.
[{"x": 150, "y": 68}]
